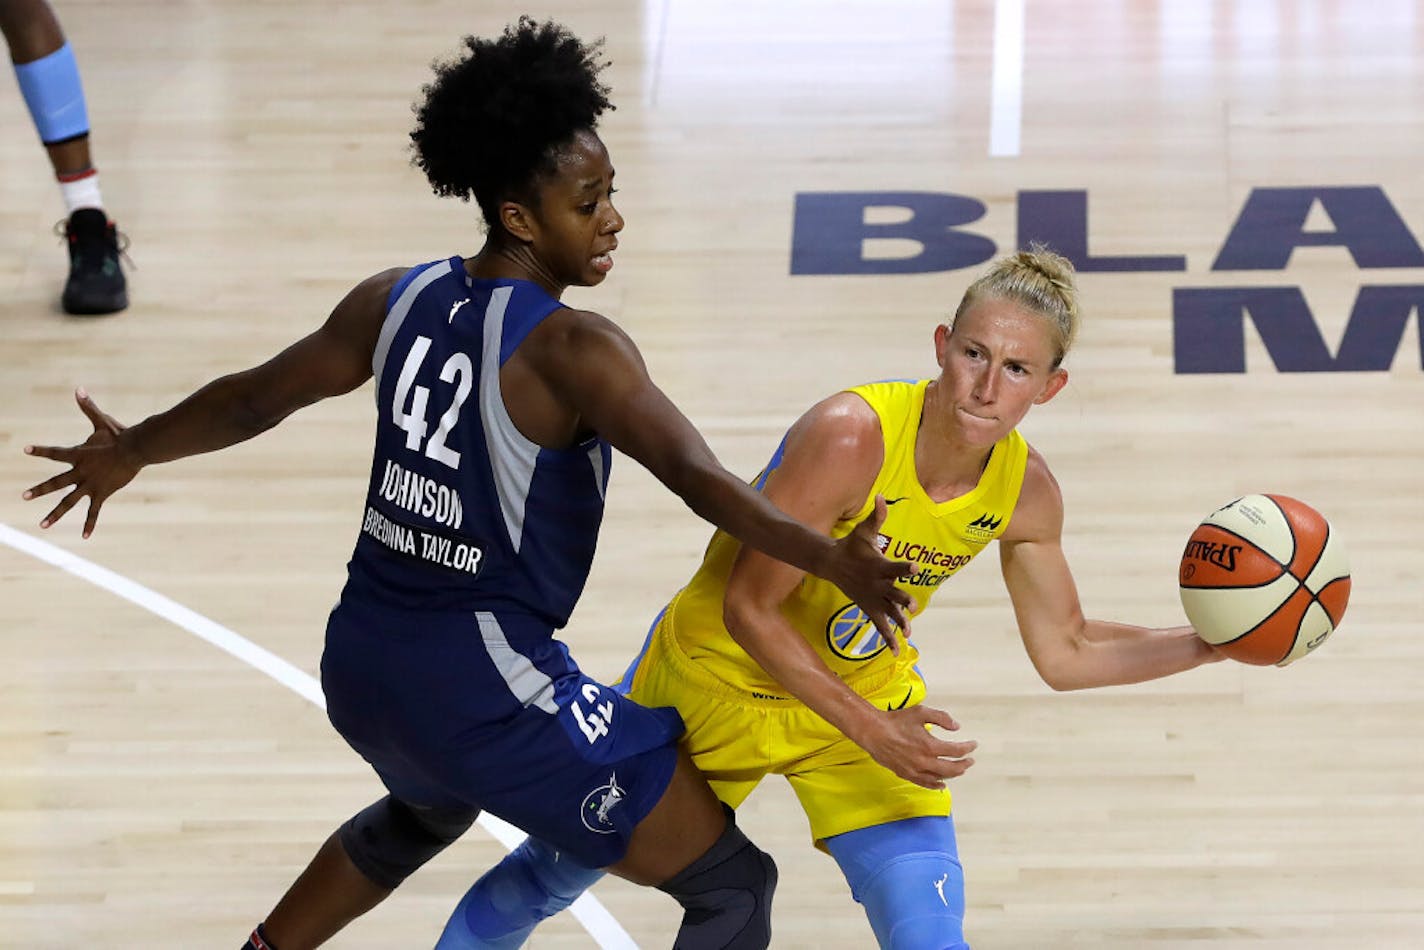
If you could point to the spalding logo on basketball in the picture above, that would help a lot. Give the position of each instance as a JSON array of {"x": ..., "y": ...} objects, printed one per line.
[{"x": 1264, "y": 579}]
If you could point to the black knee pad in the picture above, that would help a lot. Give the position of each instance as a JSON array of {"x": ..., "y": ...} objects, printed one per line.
[
  {"x": 390, "y": 840},
  {"x": 726, "y": 895}
]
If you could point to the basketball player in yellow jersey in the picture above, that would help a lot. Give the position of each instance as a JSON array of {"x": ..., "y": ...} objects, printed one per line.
[{"x": 774, "y": 671}]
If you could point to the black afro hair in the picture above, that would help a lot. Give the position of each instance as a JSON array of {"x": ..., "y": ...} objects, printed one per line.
[{"x": 495, "y": 118}]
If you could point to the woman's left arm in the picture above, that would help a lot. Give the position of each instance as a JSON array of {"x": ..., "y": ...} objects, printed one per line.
[{"x": 1068, "y": 650}]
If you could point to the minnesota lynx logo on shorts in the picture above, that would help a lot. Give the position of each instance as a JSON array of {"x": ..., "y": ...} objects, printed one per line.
[
  {"x": 851, "y": 635},
  {"x": 598, "y": 803}
]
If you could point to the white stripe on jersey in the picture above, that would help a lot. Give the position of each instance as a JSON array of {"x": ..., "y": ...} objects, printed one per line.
[
  {"x": 529, "y": 686},
  {"x": 398, "y": 313},
  {"x": 595, "y": 456},
  {"x": 511, "y": 455}
]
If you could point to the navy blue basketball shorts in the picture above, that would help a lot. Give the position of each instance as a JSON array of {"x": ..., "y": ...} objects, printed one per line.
[{"x": 488, "y": 711}]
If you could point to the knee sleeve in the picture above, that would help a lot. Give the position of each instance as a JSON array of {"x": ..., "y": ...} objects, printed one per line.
[
  {"x": 725, "y": 895},
  {"x": 54, "y": 96},
  {"x": 390, "y": 840},
  {"x": 907, "y": 876},
  {"x": 500, "y": 911}
]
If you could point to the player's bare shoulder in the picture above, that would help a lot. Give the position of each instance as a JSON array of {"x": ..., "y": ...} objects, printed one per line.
[
  {"x": 1038, "y": 515},
  {"x": 374, "y": 292},
  {"x": 580, "y": 324},
  {"x": 383, "y": 282},
  {"x": 577, "y": 372},
  {"x": 567, "y": 337},
  {"x": 844, "y": 423},
  {"x": 360, "y": 314},
  {"x": 836, "y": 450},
  {"x": 346, "y": 343}
]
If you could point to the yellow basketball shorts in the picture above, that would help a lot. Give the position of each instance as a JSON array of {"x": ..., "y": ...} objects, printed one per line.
[{"x": 737, "y": 737}]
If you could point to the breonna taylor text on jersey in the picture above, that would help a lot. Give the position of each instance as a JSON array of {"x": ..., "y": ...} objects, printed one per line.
[{"x": 463, "y": 512}]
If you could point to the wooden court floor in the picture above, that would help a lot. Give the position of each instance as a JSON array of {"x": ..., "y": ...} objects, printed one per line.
[{"x": 157, "y": 791}]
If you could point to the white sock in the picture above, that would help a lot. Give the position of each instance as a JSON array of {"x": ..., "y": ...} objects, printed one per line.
[{"x": 81, "y": 190}]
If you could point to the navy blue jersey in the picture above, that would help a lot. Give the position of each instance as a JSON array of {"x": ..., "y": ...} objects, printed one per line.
[
  {"x": 441, "y": 667},
  {"x": 463, "y": 512}
]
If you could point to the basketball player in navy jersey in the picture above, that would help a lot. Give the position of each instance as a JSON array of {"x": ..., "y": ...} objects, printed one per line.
[{"x": 497, "y": 407}]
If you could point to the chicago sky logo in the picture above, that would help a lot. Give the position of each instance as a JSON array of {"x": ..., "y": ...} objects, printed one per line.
[{"x": 851, "y": 635}]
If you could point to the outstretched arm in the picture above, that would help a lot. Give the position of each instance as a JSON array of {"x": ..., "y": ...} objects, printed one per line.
[
  {"x": 1068, "y": 650},
  {"x": 593, "y": 366},
  {"x": 334, "y": 359},
  {"x": 827, "y": 469}
]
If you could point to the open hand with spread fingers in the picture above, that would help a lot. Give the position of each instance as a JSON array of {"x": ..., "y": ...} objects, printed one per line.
[{"x": 98, "y": 467}]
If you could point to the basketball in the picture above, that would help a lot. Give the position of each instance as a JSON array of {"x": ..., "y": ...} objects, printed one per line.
[{"x": 1264, "y": 579}]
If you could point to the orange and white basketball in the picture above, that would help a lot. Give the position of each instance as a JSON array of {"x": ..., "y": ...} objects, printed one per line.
[{"x": 1264, "y": 579}]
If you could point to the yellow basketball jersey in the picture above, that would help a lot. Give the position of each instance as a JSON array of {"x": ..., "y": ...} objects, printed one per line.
[{"x": 939, "y": 537}]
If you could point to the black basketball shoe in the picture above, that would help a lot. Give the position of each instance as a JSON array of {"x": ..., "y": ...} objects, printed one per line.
[{"x": 96, "y": 281}]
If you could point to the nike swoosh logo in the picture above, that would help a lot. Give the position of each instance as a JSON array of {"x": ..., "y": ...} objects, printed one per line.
[
  {"x": 455, "y": 308},
  {"x": 895, "y": 501}
]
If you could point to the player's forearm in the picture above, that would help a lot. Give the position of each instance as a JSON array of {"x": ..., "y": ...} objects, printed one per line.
[
  {"x": 222, "y": 413},
  {"x": 785, "y": 655},
  {"x": 1101, "y": 631},
  {"x": 1115, "y": 654}
]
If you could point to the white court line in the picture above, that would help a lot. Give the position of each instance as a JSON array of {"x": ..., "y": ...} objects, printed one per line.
[
  {"x": 1006, "y": 110},
  {"x": 600, "y": 924}
]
